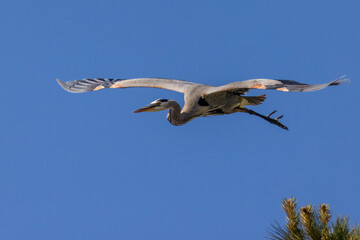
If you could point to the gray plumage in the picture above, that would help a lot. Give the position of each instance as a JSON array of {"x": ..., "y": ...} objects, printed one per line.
[{"x": 200, "y": 100}]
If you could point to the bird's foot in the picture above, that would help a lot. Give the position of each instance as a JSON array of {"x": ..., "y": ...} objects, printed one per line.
[
  {"x": 267, "y": 118},
  {"x": 271, "y": 113},
  {"x": 276, "y": 120}
]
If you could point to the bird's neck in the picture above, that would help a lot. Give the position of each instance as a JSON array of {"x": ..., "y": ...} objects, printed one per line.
[{"x": 175, "y": 116}]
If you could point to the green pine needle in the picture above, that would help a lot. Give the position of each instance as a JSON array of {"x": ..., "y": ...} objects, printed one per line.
[{"x": 308, "y": 224}]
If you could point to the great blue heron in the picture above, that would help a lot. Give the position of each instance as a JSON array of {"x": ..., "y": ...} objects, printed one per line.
[{"x": 200, "y": 100}]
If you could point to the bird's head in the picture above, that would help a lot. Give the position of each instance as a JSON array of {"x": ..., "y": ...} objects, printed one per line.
[{"x": 155, "y": 106}]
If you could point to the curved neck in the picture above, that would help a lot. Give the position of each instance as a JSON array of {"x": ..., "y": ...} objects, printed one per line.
[{"x": 175, "y": 116}]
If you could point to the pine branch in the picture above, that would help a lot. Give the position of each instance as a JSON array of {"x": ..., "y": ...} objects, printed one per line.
[
  {"x": 324, "y": 218},
  {"x": 292, "y": 230},
  {"x": 293, "y": 220},
  {"x": 309, "y": 223},
  {"x": 341, "y": 229},
  {"x": 312, "y": 225},
  {"x": 355, "y": 233}
]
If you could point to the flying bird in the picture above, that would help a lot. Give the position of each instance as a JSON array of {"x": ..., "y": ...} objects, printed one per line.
[{"x": 200, "y": 100}]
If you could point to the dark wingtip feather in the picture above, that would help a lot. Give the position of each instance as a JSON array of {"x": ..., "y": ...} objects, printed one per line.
[
  {"x": 60, "y": 82},
  {"x": 340, "y": 80},
  {"x": 84, "y": 85},
  {"x": 63, "y": 85}
]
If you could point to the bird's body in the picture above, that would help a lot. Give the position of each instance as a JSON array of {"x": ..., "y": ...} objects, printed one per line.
[{"x": 200, "y": 100}]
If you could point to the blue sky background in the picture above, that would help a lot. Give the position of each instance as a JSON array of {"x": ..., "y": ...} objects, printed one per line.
[{"x": 83, "y": 166}]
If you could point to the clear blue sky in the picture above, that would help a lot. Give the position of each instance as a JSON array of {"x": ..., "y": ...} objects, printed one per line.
[{"x": 83, "y": 166}]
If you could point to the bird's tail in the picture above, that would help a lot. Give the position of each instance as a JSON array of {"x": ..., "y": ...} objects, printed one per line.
[{"x": 253, "y": 100}]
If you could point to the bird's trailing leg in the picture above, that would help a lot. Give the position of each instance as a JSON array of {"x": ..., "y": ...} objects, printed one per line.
[{"x": 267, "y": 118}]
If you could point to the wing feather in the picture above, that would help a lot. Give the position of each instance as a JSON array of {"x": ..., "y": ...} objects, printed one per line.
[
  {"x": 280, "y": 85},
  {"x": 87, "y": 85}
]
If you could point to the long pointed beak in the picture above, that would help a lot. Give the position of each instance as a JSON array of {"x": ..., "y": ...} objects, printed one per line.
[{"x": 147, "y": 108}]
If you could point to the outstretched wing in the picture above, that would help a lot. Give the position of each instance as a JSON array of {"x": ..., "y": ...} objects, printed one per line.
[
  {"x": 87, "y": 85},
  {"x": 281, "y": 85}
]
